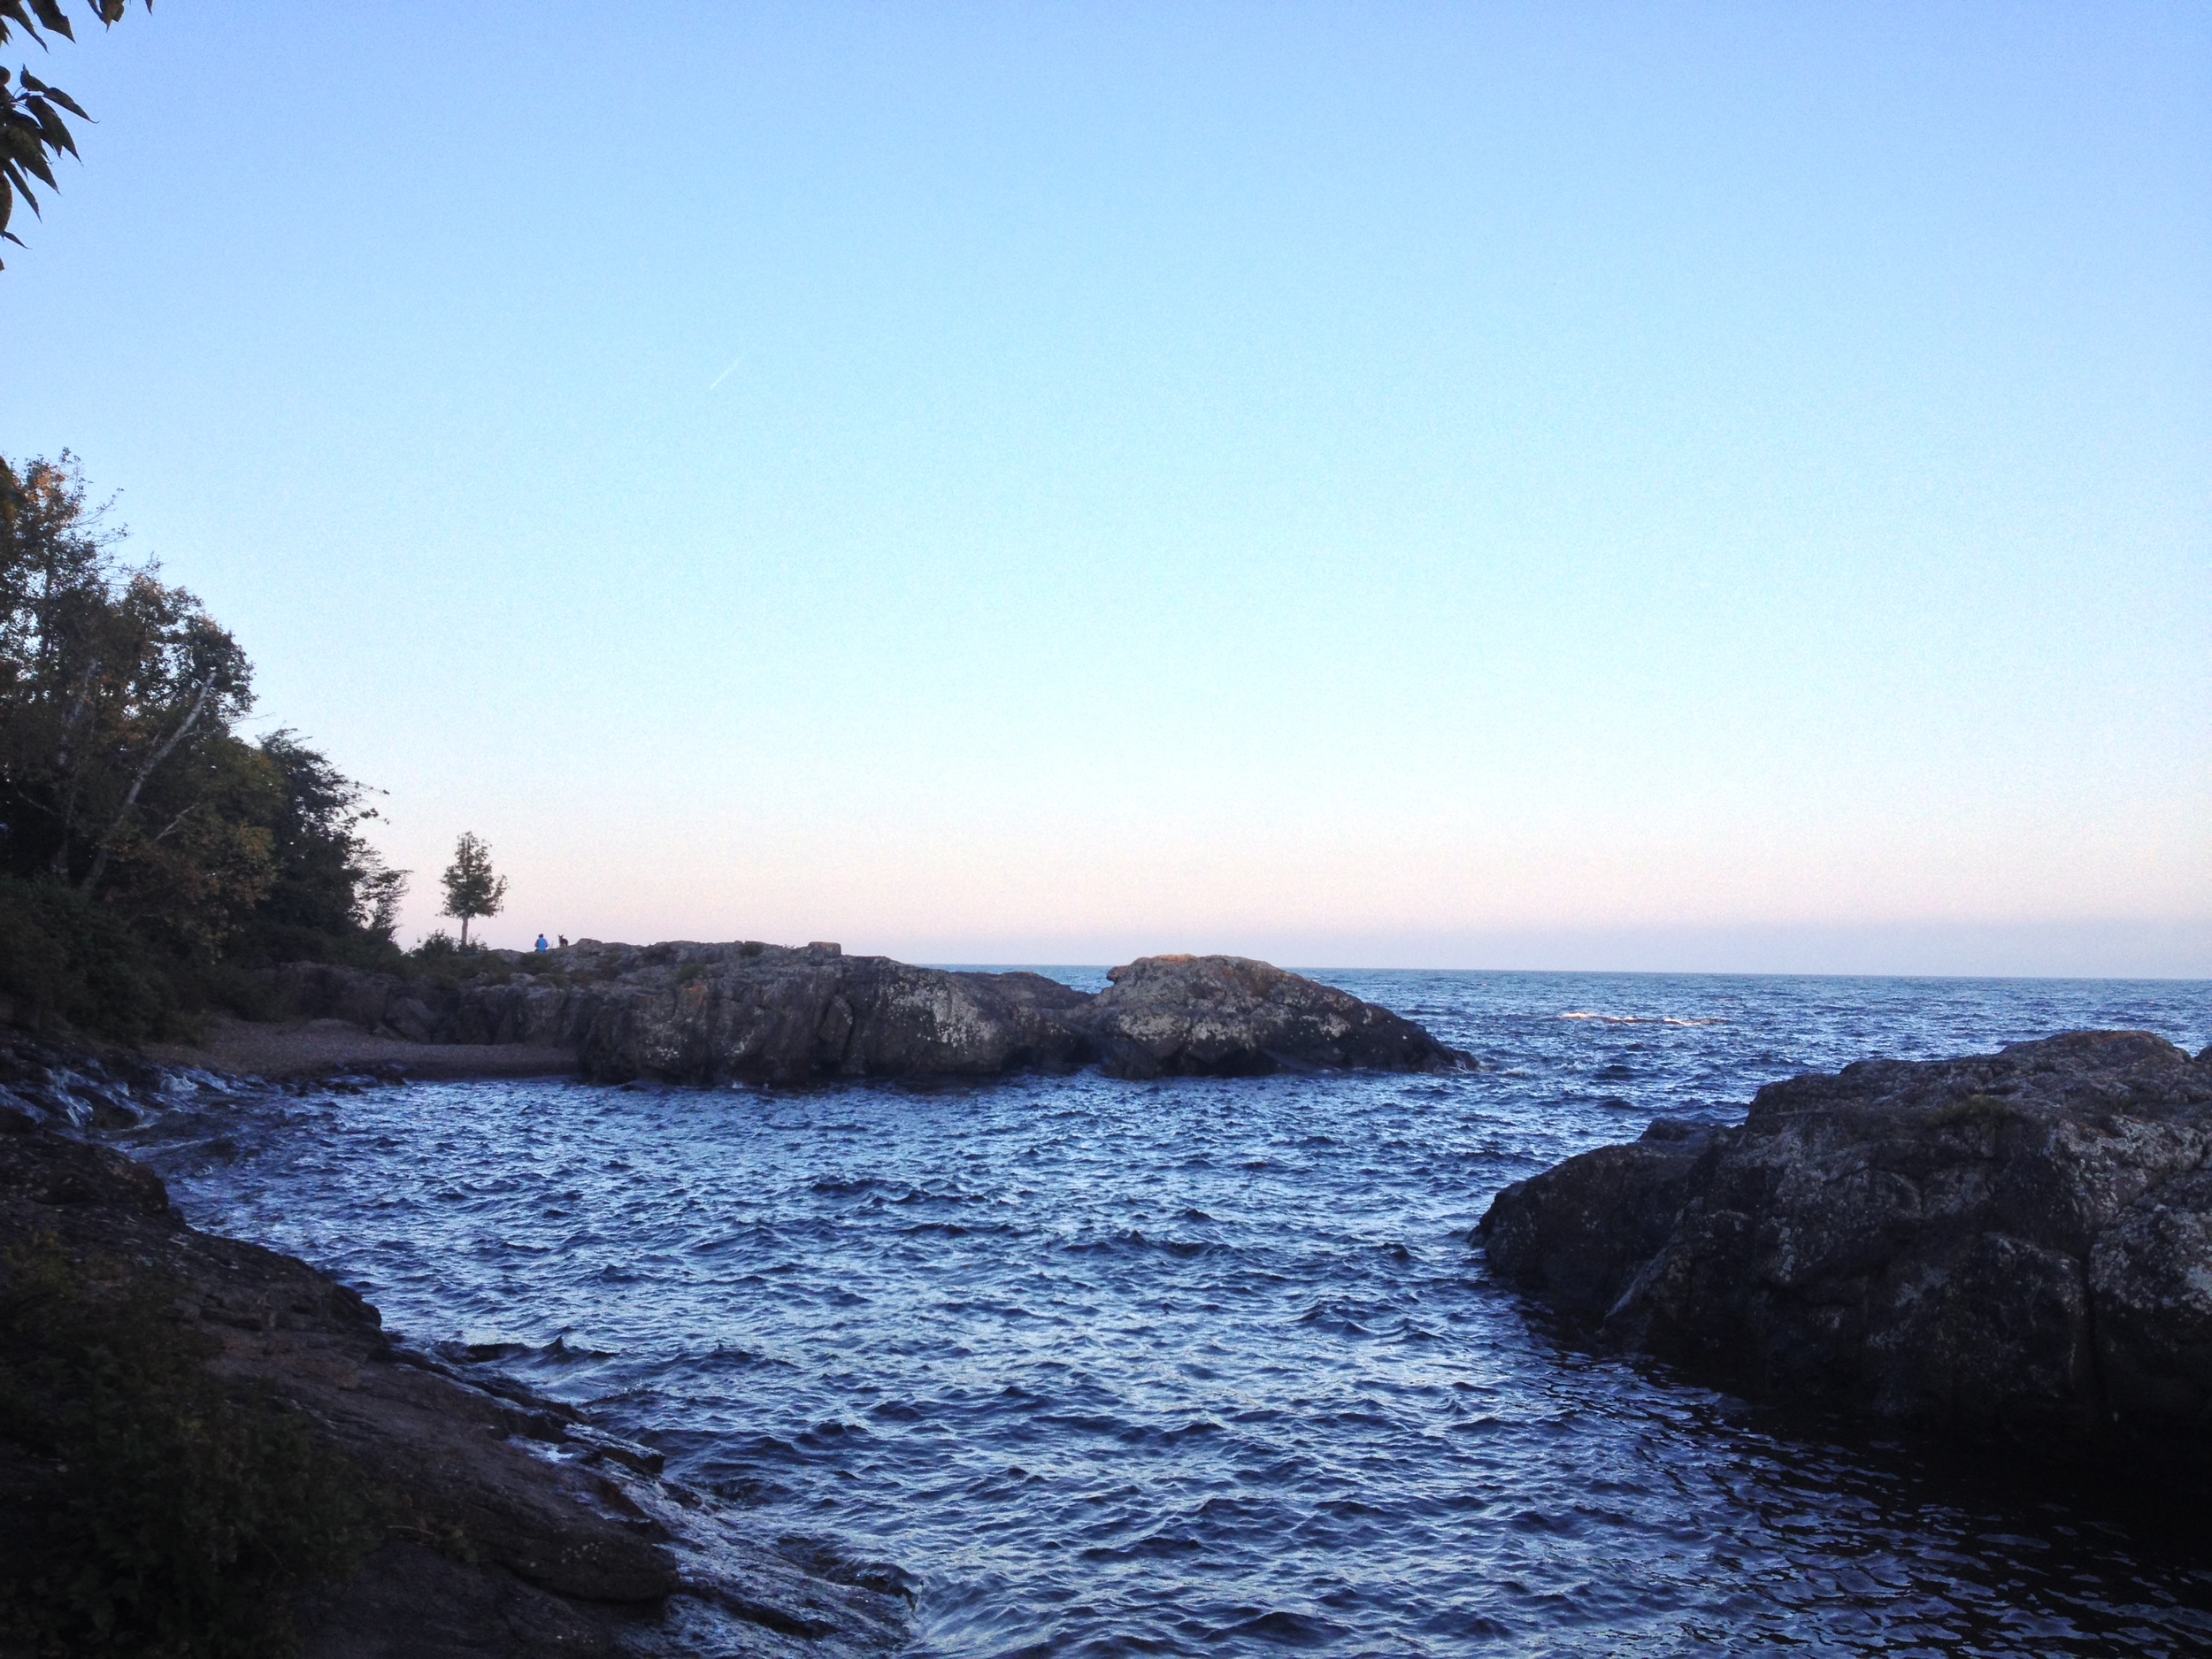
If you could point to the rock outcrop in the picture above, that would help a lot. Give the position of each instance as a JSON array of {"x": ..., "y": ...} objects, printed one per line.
[
  {"x": 2015, "y": 1245},
  {"x": 1231, "y": 1016},
  {"x": 511, "y": 1526},
  {"x": 750, "y": 1012}
]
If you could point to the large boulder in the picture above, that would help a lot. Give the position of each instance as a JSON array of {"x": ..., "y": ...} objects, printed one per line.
[
  {"x": 764, "y": 1013},
  {"x": 1232, "y": 1017},
  {"x": 2016, "y": 1244}
]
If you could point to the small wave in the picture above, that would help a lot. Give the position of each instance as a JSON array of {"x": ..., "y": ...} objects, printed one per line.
[
  {"x": 1337, "y": 1318},
  {"x": 556, "y": 1352},
  {"x": 1151, "y": 1547},
  {"x": 950, "y": 1230},
  {"x": 1646, "y": 1020},
  {"x": 1283, "y": 1630},
  {"x": 1132, "y": 1241},
  {"x": 834, "y": 1187}
]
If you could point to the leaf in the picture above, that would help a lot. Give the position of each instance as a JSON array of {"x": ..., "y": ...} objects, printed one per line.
[
  {"x": 33, "y": 83},
  {"x": 22, "y": 150},
  {"x": 52, "y": 15},
  {"x": 58, "y": 138},
  {"x": 12, "y": 172}
]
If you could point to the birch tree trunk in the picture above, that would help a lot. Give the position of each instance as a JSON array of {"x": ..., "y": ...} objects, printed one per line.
[{"x": 130, "y": 795}]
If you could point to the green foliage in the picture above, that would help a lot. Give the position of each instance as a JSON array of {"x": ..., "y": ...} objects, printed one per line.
[
  {"x": 441, "y": 957},
  {"x": 472, "y": 889},
  {"x": 182, "y": 1513},
  {"x": 123, "y": 781},
  {"x": 64, "y": 957},
  {"x": 33, "y": 136},
  {"x": 331, "y": 897},
  {"x": 117, "y": 695}
]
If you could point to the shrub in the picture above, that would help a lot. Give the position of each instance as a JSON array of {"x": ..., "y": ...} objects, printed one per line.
[
  {"x": 184, "y": 1512},
  {"x": 64, "y": 957},
  {"x": 439, "y": 949}
]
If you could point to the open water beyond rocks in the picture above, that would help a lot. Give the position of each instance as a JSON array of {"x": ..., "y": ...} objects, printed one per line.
[{"x": 1209, "y": 1366}]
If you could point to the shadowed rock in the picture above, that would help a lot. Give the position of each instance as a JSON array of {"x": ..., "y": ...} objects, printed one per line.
[
  {"x": 515, "y": 1528},
  {"x": 2018, "y": 1243}
]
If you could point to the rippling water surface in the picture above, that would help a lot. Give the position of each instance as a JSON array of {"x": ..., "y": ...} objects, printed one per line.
[{"x": 1207, "y": 1366}]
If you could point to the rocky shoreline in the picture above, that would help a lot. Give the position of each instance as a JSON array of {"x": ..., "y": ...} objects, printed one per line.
[
  {"x": 485, "y": 1519},
  {"x": 681, "y": 1012},
  {"x": 492, "y": 1522},
  {"x": 2012, "y": 1249}
]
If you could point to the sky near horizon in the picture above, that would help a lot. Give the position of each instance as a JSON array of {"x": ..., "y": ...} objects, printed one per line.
[{"x": 1717, "y": 487}]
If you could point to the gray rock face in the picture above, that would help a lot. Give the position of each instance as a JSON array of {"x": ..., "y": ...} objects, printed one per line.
[
  {"x": 766, "y": 1014},
  {"x": 2018, "y": 1243},
  {"x": 1231, "y": 1016},
  {"x": 701, "y": 1013}
]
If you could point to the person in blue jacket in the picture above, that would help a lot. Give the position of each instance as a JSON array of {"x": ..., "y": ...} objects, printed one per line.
[{"x": 542, "y": 945}]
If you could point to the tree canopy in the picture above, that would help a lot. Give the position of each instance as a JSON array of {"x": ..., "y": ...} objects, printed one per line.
[
  {"x": 124, "y": 782},
  {"x": 33, "y": 135}
]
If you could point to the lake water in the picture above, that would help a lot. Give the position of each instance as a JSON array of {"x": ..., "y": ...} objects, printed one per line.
[{"x": 1209, "y": 1367}]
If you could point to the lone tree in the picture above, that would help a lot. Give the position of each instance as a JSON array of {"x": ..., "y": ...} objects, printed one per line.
[{"x": 470, "y": 888}]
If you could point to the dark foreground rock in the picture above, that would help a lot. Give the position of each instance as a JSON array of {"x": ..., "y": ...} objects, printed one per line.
[
  {"x": 487, "y": 1521},
  {"x": 2015, "y": 1245},
  {"x": 698, "y": 1013}
]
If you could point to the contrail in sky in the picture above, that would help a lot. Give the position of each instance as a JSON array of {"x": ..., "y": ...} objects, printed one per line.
[{"x": 726, "y": 373}]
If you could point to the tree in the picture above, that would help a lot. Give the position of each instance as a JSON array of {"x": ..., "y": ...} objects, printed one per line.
[
  {"x": 470, "y": 888},
  {"x": 124, "y": 781},
  {"x": 33, "y": 136},
  {"x": 329, "y": 889},
  {"x": 117, "y": 692}
]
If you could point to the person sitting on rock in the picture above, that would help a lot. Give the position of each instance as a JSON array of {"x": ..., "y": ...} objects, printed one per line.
[{"x": 542, "y": 944}]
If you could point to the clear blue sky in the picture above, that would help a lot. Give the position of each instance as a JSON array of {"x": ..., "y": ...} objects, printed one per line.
[{"x": 1576, "y": 485}]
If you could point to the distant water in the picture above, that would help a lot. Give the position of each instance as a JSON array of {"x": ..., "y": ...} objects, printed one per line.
[{"x": 1205, "y": 1367}]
